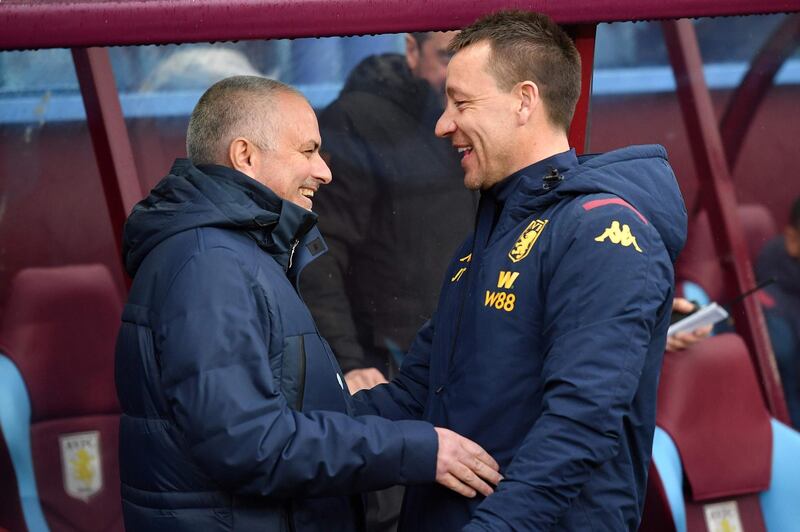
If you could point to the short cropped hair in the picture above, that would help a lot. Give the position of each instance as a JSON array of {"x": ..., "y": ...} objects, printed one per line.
[
  {"x": 238, "y": 106},
  {"x": 527, "y": 46}
]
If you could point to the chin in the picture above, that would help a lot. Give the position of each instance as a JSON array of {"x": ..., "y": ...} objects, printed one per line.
[{"x": 472, "y": 183}]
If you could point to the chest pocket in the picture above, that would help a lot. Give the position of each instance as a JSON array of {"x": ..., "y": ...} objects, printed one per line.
[{"x": 310, "y": 377}]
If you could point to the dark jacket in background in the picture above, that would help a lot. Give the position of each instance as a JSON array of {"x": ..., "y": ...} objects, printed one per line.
[
  {"x": 783, "y": 317},
  {"x": 235, "y": 416},
  {"x": 396, "y": 210},
  {"x": 546, "y": 346}
]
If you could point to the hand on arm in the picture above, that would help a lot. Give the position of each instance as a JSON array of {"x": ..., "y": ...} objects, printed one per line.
[
  {"x": 363, "y": 379},
  {"x": 463, "y": 466}
]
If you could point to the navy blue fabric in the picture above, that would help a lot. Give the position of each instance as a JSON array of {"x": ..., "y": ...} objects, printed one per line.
[
  {"x": 560, "y": 386},
  {"x": 235, "y": 416}
]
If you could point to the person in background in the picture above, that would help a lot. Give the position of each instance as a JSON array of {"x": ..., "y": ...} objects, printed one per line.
[
  {"x": 235, "y": 415},
  {"x": 780, "y": 260},
  {"x": 397, "y": 211}
]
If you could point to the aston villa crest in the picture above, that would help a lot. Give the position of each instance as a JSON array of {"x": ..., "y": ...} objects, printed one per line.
[
  {"x": 526, "y": 240},
  {"x": 81, "y": 464}
]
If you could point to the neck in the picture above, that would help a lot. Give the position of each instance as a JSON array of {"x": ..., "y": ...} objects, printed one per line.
[{"x": 539, "y": 147}]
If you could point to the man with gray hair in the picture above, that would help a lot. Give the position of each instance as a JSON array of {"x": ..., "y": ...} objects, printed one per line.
[{"x": 235, "y": 413}]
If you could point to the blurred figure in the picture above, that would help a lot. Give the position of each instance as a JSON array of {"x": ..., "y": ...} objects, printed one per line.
[
  {"x": 397, "y": 211},
  {"x": 193, "y": 67},
  {"x": 780, "y": 260}
]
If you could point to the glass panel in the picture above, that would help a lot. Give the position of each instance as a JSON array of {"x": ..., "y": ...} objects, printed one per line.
[{"x": 52, "y": 207}]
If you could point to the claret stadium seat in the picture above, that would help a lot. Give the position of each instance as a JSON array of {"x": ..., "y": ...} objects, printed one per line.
[
  {"x": 59, "y": 415},
  {"x": 720, "y": 461}
]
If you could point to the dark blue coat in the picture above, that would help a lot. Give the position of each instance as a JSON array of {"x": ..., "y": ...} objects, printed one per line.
[
  {"x": 546, "y": 346},
  {"x": 235, "y": 416}
]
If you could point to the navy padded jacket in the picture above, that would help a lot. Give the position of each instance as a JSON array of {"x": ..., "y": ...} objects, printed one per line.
[
  {"x": 235, "y": 415},
  {"x": 548, "y": 354}
]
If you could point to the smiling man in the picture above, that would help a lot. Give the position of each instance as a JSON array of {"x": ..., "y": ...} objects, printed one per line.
[
  {"x": 551, "y": 323},
  {"x": 235, "y": 413}
]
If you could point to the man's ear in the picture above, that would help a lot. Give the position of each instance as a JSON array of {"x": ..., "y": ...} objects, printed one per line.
[
  {"x": 527, "y": 93},
  {"x": 242, "y": 156},
  {"x": 412, "y": 52},
  {"x": 791, "y": 238}
]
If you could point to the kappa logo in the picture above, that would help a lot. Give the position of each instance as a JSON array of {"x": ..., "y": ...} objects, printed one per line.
[
  {"x": 81, "y": 464},
  {"x": 622, "y": 236},
  {"x": 522, "y": 247}
]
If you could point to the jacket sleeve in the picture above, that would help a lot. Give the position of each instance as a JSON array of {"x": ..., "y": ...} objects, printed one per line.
[
  {"x": 406, "y": 395},
  {"x": 212, "y": 343},
  {"x": 604, "y": 301},
  {"x": 344, "y": 215}
]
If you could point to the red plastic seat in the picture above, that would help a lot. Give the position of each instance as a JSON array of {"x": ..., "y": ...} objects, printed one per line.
[
  {"x": 57, "y": 342},
  {"x": 717, "y": 451}
]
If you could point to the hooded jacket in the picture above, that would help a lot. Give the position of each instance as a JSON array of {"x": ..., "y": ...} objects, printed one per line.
[
  {"x": 547, "y": 343},
  {"x": 235, "y": 416},
  {"x": 394, "y": 181}
]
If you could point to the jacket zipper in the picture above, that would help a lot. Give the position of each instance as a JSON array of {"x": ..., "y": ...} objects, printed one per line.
[
  {"x": 301, "y": 388},
  {"x": 292, "y": 249}
]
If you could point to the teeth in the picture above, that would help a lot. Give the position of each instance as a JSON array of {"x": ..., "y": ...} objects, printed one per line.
[
  {"x": 462, "y": 150},
  {"x": 307, "y": 192}
]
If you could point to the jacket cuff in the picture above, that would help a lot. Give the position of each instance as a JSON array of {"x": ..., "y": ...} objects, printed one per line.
[{"x": 420, "y": 447}]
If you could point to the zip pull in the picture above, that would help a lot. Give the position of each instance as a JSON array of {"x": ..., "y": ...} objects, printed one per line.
[{"x": 292, "y": 249}]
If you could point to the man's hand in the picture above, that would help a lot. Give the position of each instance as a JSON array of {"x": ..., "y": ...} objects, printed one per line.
[
  {"x": 679, "y": 341},
  {"x": 463, "y": 466},
  {"x": 363, "y": 379}
]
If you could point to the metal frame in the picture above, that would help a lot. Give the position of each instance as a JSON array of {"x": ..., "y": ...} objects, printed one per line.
[
  {"x": 584, "y": 37},
  {"x": 112, "y": 147},
  {"x": 744, "y": 103},
  {"x": 64, "y": 23},
  {"x": 719, "y": 199}
]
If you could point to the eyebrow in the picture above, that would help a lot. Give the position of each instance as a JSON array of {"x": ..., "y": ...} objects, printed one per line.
[{"x": 454, "y": 91}]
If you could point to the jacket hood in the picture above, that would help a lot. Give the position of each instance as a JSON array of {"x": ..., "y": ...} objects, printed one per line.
[
  {"x": 212, "y": 196},
  {"x": 640, "y": 175},
  {"x": 388, "y": 76}
]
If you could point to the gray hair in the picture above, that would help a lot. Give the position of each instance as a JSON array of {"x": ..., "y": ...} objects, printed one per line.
[{"x": 229, "y": 109}]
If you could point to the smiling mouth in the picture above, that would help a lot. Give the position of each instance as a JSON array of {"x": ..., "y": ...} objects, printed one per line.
[
  {"x": 307, "y": 192},
  {"x": 464, "y": 150}
]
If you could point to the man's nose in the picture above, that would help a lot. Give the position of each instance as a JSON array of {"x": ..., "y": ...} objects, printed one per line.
[
  {"x": 445, "y": 125},
  {"x": 320, "y": 170}
]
